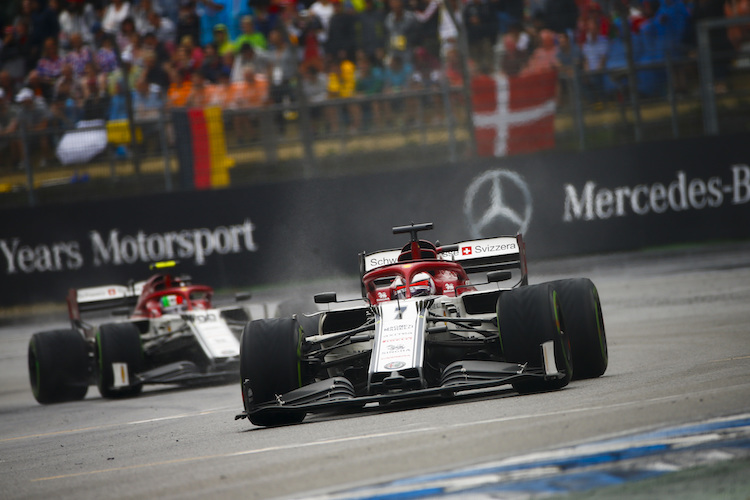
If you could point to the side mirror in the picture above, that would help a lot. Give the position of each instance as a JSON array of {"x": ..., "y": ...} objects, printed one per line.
[
  {"x": 242, "y": 296},
  {"x": 438, "y": 329},
  {"x": 121, "y": 311},
  {"x": 498, "y": 276},
  {"x": 325, "y": 298}
]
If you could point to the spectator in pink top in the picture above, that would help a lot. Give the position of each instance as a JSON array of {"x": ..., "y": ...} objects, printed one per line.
[{"x": 544, "y": 57}]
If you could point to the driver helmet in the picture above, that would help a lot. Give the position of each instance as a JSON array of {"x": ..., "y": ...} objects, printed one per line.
[
  {"x": 399, "y": 288},
  {"x": 422, "y": 285},
  {"x": 172, "y": 304}
]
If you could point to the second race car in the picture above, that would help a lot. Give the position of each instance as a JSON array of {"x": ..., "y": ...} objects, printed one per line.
[
  {"x": 172, "y": 334},
  {"x": 432, "y": 321}
]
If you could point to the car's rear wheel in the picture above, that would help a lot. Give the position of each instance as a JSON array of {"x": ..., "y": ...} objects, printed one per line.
[
  {"x": 59, "y": 366},
  {"x": 584, "y": 325},
  {"x": 269, "y": 367},
  {"x": 119, "y": 360},
  {"x": 528, "y": 317}
]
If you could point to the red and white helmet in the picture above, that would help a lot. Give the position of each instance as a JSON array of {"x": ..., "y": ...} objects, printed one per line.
[
  {"x": 422, "y": 285},
  {"x": 399, "y": 288}
]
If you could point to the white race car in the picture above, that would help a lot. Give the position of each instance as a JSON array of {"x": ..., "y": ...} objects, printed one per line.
[
  {"x": 423, "y": 328},
  {"x": 172, "y": 334}
]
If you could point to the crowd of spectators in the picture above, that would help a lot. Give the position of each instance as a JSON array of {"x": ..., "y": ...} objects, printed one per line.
[{"x": 64, "y": 61}]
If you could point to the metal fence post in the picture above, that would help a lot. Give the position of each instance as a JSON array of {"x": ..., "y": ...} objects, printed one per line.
[
  {"x": 447, "y": 105},
  {"x": 163, "y": 138},
  {"x": 705, "y": 68},
  {"x": 671, "y": 96},
  {"x": 575, "y": 89},
  {"x": 268, "y": 131},
  {"x": 27, "y": 165},
  {"x": 305, "y": 127},
  {"x": 710, "y": 122},
  {"x": 129, "y": 108},
  {"x": 304, "y": 118},
  {"x": 463, "y": 48},
  {"x": 421, "y": 119},
  {"x": 632, "y": 80}
]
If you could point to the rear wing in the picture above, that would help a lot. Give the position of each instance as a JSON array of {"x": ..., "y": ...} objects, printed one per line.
[
  {"x": 475, "y": 256},
  {"x": 101, "y": 298},
  {"x": 490, "y": 254}
]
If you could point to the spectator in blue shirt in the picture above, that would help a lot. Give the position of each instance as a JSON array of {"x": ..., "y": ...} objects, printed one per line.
[
  {"x": 369, "y": 82},
  {"x": 594, "y": 52},
  {"x": 397, "y": 76}
]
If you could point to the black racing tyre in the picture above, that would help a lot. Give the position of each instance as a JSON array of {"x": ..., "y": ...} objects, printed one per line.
[
  {"x": 528, "y": 317},
  {"x": 269, "y": 362},
  {"x": 59, "y": 366},
  {"x": 584, "y": 325},
  {"x": 118, "y": 343}
]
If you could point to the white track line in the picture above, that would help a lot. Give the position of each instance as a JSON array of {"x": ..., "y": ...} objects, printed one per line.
[{"x": 381, "y": 435}]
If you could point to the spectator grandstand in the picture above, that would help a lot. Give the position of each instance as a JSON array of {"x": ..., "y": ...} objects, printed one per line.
[{"x": 64, "y": 62}]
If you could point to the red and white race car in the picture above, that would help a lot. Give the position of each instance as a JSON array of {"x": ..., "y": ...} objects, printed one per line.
[
  {"x": 435, "y": 320},
  {"x": 172, "y": 334}
]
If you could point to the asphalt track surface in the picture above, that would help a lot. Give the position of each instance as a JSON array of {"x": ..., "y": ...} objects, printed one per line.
[{"x": 678, "y": 326}]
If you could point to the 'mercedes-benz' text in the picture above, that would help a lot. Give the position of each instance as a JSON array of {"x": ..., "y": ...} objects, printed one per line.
[{"x": 682, "y": 194}]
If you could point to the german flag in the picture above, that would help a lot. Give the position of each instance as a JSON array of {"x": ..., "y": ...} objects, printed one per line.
[{"x": 201, "y": 146}]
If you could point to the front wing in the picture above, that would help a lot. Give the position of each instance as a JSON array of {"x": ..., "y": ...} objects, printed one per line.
[{"x": 338, "y": 393}]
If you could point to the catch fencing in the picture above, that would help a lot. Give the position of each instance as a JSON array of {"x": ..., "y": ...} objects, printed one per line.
[{"x": 375, "y": 133}]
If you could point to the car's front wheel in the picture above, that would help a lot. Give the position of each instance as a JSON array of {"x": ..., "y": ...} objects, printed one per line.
[
  {"x": 584, "y": 324},
  {"x": 527, "y": 318},
  {"x": 269, "y": 367}
]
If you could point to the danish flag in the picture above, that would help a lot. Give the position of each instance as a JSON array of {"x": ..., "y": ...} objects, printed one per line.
[{"x": 515, "y": 114}]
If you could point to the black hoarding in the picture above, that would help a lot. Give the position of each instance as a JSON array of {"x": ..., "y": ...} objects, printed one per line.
[{"x": 565, "y": 204}]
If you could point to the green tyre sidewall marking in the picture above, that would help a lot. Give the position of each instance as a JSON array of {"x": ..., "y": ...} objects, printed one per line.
[
  {"x": 556, "y": 303},
  {"x": 584, "y": 325},
  {"x": 564, "y": 337},
  {"x": 600, "y": 325},
  {"x": 528, "y": 317}
]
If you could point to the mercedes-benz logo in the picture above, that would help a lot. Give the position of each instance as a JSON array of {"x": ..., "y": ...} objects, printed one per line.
[{"x": 507, "y": 200}]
